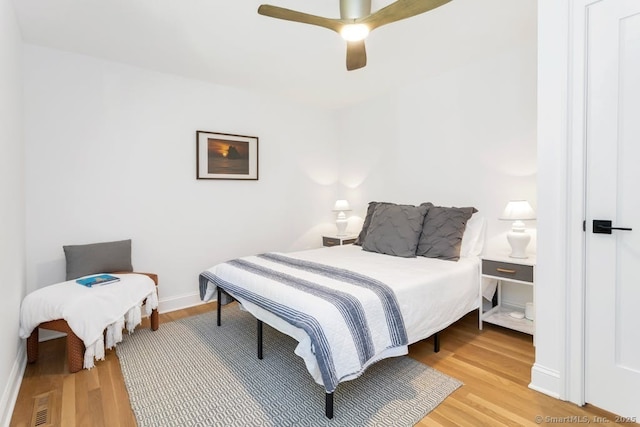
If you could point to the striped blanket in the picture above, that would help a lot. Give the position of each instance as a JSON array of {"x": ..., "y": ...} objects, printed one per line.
[{"x": 351, "y": 320}]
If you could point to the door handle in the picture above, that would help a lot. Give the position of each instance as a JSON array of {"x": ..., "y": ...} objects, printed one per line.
[{"x": 601, "y": 226}]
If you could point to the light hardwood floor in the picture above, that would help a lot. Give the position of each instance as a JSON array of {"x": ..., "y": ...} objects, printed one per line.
[{"x": 494, "y": 364}]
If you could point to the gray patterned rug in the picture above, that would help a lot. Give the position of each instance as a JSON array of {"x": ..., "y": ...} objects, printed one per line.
[{"x": 192, "y": 373}]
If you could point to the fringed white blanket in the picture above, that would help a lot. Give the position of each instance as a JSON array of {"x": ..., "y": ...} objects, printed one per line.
[{"x": 89, "y": 311}]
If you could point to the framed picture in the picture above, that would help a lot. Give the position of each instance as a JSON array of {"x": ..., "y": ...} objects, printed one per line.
[{"x": 226, "y": 156}]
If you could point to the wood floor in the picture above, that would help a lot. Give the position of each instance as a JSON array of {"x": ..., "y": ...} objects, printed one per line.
[{"x": 494, "y": 364}]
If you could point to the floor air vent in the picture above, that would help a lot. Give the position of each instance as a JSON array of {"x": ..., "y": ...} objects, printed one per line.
[{"x": 41, "y": 416}]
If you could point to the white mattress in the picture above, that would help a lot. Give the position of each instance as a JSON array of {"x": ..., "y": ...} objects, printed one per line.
[{"x": 432, "y": 293}]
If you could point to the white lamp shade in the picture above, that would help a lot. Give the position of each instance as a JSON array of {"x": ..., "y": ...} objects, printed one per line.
[
  {"x": 341, "y": 205},
  {"x": 518, "y": 210}
]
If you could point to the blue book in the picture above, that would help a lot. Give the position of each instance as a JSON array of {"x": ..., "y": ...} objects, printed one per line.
[{"x": 99, "y": 280}]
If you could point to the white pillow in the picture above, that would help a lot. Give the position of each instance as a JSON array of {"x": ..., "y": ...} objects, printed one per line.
[{"x": 473, "y": 237}]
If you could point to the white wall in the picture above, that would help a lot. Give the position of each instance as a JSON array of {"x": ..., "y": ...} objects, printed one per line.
[
  {"x": 111, "y": 155},
  {"x": 12, "y": 210},
  {"x": 466, "y": 137}
]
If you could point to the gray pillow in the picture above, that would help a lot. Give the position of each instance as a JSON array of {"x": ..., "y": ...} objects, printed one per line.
[
  {"x": 367, "y": 221},
  {"x": 106, "y": 257},
  {"x": 442, "y": 232},
  {"x": 395, "y": 230}
]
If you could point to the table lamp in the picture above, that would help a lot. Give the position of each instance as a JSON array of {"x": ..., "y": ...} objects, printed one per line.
[
  {"x": 341, "y": 207},
  {"x": 518, "y": 211}
]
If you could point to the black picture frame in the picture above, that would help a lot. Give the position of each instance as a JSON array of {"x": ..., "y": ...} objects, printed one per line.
[{"x": 226, "y": 156}]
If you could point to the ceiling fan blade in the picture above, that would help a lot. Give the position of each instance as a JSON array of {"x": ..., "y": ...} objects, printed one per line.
[
  {"x": 305, "y": 18},
  {"x": 400, "y": 9},
  {"x": 356, "y": 55}
]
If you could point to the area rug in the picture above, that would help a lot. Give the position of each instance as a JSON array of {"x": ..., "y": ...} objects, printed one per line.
[{"x": 192, "y": 373}]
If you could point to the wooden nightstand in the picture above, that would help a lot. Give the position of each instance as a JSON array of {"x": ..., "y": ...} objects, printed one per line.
[
  {"x": 512, "y": 270},
  {"x": 338, "y": 240}
]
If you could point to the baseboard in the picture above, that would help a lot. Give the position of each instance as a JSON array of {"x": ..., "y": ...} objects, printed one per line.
[
  {"x": 10, "y": 392},
  {"x": 166, "y": 305},
  {"x": 514, "y": 304},
  {"x": 546, "y": 381},
  {"x": 46, "y": 335}
]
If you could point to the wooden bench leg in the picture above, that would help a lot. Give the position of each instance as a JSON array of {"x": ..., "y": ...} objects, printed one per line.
[
  {"x": 155, "y": 319},
  {"x": 75, "y": 352},
  {"x": 32, "y": 346}
]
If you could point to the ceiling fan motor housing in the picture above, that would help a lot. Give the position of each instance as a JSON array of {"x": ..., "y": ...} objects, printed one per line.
[{"x": 353, "y": 9}]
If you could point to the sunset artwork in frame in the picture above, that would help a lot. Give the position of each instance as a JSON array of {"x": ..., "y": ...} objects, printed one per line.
[{"x": 226, "y": 156}]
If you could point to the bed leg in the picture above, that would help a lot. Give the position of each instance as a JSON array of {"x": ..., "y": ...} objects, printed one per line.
[
  {"x": 259, "y": 339},
  {"x": 436, "y": 343},
  {"x": 219, "y": 305},
  {"x": 328, "y": 405}
]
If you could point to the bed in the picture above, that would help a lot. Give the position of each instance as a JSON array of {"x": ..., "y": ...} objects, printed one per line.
[{"x": 349, "y": 306}]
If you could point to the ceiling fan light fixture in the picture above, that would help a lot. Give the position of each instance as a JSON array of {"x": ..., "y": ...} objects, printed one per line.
[
  {"x": 356, "y": 21},
  {"x": 354, "y": 32}
]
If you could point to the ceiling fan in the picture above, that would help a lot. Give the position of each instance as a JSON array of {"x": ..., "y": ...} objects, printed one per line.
[{"x": 356, "y": 21}]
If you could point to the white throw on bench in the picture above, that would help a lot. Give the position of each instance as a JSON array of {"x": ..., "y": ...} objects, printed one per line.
[{"x": 90, "y": 311}]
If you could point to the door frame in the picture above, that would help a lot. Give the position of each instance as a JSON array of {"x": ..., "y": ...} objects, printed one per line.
[
  {"x": 575, "y": 363},
  {"x": 560, "y": 365}
]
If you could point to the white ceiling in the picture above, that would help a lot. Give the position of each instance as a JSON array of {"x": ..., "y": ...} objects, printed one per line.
[{"x": 229, "y": 43}]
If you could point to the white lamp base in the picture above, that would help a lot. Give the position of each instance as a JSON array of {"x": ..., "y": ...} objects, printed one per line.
[
  {"x": 341, "y": 224},
  {"x": 518, "y": 240}
]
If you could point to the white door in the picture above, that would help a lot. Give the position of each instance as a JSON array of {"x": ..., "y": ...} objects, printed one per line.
[{"x": 612, "y": 356}]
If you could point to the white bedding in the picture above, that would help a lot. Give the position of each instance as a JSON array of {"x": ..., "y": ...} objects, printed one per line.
[{"x": 431, "y": 293}]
